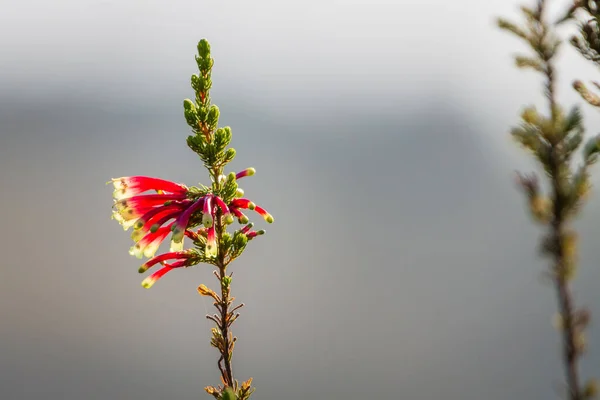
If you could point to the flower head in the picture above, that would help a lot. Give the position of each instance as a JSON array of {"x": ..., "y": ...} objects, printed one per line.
[{"x": 149, "y": 215}]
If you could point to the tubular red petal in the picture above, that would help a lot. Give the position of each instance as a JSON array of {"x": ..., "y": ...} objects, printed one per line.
[
  {"x": 132, "y": 185},
  {"x": 246, "y": 172},
  {"x": 159, "y": 211},
  {"x": 207, "y": 203},
  {"x": 242, "y": 203},
  {"x": 184, "y": 218},
  {"x": 148, "y": 200},
  {"x": 210, "y": 234},
  {"x": 207, "y": 212},
  {"x": 191, "y": 235},
  {"x": 262, "y": 212},
  {"x": 247, "y": 228},
  {"x": 163, "y": 257},
  {"x": 242, "y": 219},
  {"x": 161, "y": 218},
  {"x": 221, "y": 204},
  {"x": 163, "y": 232},
  {"x": 129, "y": 214},
  {"x": 211, "y": 243},
  {"x": 151, "y": 280},
  {"x": 178, "y": 264},
  {"x": 155, "y": 223},
  {"x": 149, "y": 244},
  {"x": 140, "y": 205}
]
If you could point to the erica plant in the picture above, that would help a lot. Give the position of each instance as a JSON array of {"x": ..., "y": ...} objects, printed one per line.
[
  {"x": 553, "y": 138},
  {"x": 202, "y": 217}
]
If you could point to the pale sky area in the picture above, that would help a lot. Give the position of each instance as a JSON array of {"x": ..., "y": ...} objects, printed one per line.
[{"x": 401, "y": 264}]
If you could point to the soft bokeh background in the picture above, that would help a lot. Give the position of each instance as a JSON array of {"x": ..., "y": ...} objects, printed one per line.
[{"x": 401, "y": 264}]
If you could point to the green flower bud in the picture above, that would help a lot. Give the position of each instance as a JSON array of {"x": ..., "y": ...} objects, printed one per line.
[
  {"x": 196, "y": 83},
  {"x": 189, "y": 105},
  {"x": 229, "y": 154},
  {"x": 213, "y": 116},
  {"x": 204, "y": 48}
]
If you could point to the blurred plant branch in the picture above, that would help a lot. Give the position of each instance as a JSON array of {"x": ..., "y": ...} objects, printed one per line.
[{"x": 553, "y": 139}]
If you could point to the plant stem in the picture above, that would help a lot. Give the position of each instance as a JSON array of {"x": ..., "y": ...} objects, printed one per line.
[
  {"x": 565, "y": 300},
  {"x": 224, "y": 328},
  {"x": 225, "y": 368}
]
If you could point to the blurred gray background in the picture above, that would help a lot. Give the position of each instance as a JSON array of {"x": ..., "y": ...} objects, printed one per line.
[{"x": 401, "y": 263}]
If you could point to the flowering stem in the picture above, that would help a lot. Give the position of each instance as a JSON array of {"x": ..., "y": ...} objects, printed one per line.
[
  {"x": 565, "y": 298},
  {"x": 201, "y": 214},
  {"x": 226, "y": 352},
  {"x": 560, "y": 206},
  {"x": 560, "y": 274},
  {"x": 226, "y": 348},
  {"x": 570, "y": 351}
]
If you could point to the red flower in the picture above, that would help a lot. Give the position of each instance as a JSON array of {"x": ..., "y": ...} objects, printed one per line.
[
  {"x": 247, "y": 228},
  {"x": 160, "y": 216},
  {"x": 207, "y": 212},
  {"x": 242, "y": 219},
  {"x": 182, "y": 221},
  {"x": 253, "y": 234},
  {"x": 211, "y": 242},
  {"x": 128, "y": 210},
  {"x": 175, "y": 255},
  {"x": 242, "y": 203},
  {"x": 151, "y": 280},
  {"x": 182, "y": 259},
  {"x": 263, "y": 213},
  {"x": 154, "y": 213},
  {"x": 225, "y": 209},
  {"x": 148, "y": 213},
  {"x": 148, "y": 245},
  {"x": 131, "y": 185},
  {"x": 246, "y": 172},
  {"x": 236, "y": 204}
]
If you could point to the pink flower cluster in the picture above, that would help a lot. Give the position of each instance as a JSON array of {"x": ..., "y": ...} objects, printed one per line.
[{"x": 154, "y": 216}]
